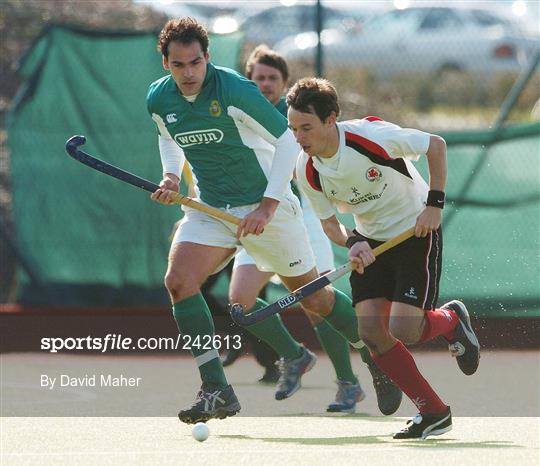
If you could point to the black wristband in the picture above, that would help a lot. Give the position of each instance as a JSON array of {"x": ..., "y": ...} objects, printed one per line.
[
  {"x": 352, "y": 240},
  {"x": 435, "y": 199}
]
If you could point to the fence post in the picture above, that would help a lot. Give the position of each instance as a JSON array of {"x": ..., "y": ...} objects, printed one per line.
[{"x": 318, "y": 28}]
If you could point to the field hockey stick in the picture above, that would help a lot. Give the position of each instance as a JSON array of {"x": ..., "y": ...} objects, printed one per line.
[
  {"x": 237, "y": 310},
  {"x": 72, "y": 148}
]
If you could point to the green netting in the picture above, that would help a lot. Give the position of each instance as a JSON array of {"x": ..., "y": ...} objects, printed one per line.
[
  {"x": 94, "y": 240},
  {"x": 491, "y": 236}
]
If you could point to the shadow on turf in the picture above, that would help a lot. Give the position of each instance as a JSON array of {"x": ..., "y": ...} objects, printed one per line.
[
  {"x": 431, "y": 443},
  {"x": 369, "y": 439},
  {"x": 377, "y": 439},
  {"x": 341, "y": 416}
]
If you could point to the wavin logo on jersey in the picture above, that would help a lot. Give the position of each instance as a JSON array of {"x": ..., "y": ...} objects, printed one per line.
[{"x": 204, "y": 136}]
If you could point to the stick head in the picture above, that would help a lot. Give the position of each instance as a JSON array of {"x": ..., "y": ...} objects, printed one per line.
[
  {"x": 237, "y": 313},
  {"x": 73, "y": 143}
]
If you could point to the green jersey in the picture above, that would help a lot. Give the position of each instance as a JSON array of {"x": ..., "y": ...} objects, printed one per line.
[
  {"x": 282, "y": 106},
  {"x": 226, "y": 134}
]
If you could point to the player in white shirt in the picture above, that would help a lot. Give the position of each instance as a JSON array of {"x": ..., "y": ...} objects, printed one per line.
[
  {"x": 364, "y": 167},
  {"x": 270, "y": 72}
]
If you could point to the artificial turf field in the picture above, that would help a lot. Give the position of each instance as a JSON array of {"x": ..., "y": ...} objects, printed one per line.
[{"x": 496, "y": 415}]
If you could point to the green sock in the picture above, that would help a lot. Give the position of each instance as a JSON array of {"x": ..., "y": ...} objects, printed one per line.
[
  {"x": 337, "y": 349},
  {"x": 273, "y": 332},
  {"x": 343, "y": 317},
  {"x": 194, "y": 320},
  {"x": 365, "y": 354}
]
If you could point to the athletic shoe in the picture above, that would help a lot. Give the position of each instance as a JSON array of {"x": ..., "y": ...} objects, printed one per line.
[
  {"x": 347, "y": 396},
  {"x": 271, "y": 375},
  {"x": 291, "y": 371},
  {"x": 230, "y": 355},
  {"x": 388, "y": 393},
  {"x": 423, "y": 425},
  {"x": 211, "y": 402},
  {"x": 465, "y": 347}
]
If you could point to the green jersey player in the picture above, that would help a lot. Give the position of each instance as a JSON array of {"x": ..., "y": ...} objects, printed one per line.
[{"x": 243, "y": 155}]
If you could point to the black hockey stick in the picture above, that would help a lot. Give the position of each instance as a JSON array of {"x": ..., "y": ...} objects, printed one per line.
[
  {"x": 237, "y": 310},
  {"x": 72, "y": 148}
]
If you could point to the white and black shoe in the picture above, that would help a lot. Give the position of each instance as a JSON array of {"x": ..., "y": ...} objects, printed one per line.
[
  {"x": 424, "y": 425},
  {"x": 465, "y": 347},
  {"x": 211, "y": 403}
]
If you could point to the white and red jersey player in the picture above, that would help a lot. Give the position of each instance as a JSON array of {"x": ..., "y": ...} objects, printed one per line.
[{"x": 371, "y": 176}]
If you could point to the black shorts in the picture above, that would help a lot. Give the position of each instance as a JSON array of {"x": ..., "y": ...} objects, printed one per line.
[{"x": 408, "y": 273}]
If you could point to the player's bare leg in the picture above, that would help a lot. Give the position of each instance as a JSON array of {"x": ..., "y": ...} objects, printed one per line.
[
  {"x": 247, "y": 281},
  {"x": 189, "y": 266},
  {"x": 406, "y": 323}
]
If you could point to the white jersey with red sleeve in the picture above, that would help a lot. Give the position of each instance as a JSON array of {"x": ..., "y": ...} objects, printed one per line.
[{"x": 371, "y": 176}]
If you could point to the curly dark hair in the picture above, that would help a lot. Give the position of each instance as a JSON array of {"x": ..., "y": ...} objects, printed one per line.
[
  {"x": 266, "y": 56},
  {"x": 183, "y": 30},
  {"x": 314, "y": 95}
]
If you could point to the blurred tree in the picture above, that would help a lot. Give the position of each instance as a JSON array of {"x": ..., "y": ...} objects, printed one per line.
[{"x": 22, "y": 21}]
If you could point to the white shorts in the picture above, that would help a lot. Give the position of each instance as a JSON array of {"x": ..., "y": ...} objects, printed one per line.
[
  {"x": 320, "y": 244},
  {"x": 282, "y": 248}
]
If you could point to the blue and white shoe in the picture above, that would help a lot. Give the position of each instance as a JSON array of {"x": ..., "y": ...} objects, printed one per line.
[
  {"x": 347, "y": 396},
  {"x": 291, "y": 371},
  {"x": 465, "y": 347}
]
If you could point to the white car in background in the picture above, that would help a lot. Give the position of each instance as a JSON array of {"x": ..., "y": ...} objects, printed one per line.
[
  {"x": 424, "y": 40},
  {"x": 273, "y": 24}
]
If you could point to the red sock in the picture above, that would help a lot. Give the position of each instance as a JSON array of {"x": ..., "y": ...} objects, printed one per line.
[
  {"x": 399, "y": 365},
  {"x": 439, "y": 322}
]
